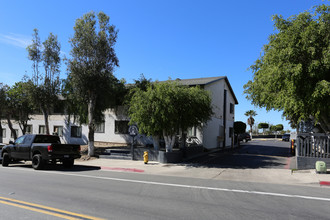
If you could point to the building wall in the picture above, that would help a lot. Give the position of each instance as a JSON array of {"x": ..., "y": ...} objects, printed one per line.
[
  {"x": 214, "y": 129},
  {"x": 211, "y": 130},
  {"x": 109, "y": 134},
  {"x": 230, "y": 117}
]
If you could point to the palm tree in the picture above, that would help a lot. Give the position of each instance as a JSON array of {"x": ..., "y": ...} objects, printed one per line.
[{"x": 250, "y": 121}]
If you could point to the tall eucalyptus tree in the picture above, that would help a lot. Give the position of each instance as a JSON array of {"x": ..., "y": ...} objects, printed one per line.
[{"x": 91, "y": 68}]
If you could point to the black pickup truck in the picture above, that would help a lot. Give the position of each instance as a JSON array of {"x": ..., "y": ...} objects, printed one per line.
[{"x": 40, "y": 149}]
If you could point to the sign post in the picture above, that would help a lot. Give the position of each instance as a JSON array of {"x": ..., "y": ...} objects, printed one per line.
[{"x": 133, "y": 131}]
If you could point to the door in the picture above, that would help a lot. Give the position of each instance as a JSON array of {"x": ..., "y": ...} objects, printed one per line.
[
  {"x": 25, "y": 147},
  {"x": 15, "y": 153}
]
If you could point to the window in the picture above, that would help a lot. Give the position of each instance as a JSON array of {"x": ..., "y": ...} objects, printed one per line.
[
  {"x": 46, "y": 139},
  {"x": 100, "y": 128},
  {"x": 58, "y": 130},
  {"x": 42, "y": 129},
  {"x": 76, "y": 131},
  {"x": 29, "y": 129},
  {"x": 121, "y": 127},
  {"x": 12, "y": 133},
  {"x": 191, "y": 132},
  {"x": 232, "y": 107},
  {"x": 20, "y": 140},
  {"x": 4, "y": 133}
]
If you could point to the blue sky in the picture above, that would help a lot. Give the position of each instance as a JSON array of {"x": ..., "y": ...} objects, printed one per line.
[{"x": 161, "y": 39}]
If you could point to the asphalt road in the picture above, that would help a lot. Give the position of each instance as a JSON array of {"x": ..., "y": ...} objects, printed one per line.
[
  {"x": 255, "y": 154},
  {"x": 89, "y": 193}
]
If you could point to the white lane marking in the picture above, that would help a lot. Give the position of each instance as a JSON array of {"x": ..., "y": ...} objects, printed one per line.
[{"x": 186, "y": 186}]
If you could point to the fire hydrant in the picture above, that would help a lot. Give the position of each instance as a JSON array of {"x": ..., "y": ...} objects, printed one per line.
[{"x": 145, "y": 157}]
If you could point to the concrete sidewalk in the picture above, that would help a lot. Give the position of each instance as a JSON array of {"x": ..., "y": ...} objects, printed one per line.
[{"x": 261, "y": 175}]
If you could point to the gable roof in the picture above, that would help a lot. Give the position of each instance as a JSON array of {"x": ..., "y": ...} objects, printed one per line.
[{"x": 206, "y": 81}]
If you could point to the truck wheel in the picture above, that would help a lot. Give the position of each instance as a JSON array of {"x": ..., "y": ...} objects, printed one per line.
[
  {"x": 68, "y": 163},
  {"x": 37, "y": 162},
  {"x": 5, "y": 159}
]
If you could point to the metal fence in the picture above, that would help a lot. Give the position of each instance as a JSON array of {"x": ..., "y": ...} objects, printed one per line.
[{"x": 313, "y": 145}]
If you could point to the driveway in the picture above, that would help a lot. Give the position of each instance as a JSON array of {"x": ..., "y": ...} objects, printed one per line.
[{"x": 251, "y": 155}]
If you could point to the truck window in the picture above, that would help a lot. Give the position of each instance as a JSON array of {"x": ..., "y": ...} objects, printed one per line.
[
  {"x": 20, "y": 140},
  {"x": 28, "y": 139},
  {"x": 47, "y": 139}
]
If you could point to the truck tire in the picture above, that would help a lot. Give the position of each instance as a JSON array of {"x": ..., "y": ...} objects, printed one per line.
[
  {"x": 68, "y": 163},
  {"x": 5, "y": 159},
  {"x": 37, "y": 162}
]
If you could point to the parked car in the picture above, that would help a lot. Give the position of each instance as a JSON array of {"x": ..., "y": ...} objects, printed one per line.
[
  {"x": 1, "y": 145},
  {"x": 245, "y": 137},
  {"x": 285, "y": 137},
  {"x": 40, "y": 149}
]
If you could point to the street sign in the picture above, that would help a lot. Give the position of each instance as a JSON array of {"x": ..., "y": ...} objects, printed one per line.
[{"x": 133, "y": 130}]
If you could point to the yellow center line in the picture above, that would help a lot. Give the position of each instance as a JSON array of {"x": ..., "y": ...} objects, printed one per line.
[{"x": 45, "y": 209}]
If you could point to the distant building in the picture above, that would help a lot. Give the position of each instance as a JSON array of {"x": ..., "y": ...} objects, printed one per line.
[{"x": 217, "y": 132}]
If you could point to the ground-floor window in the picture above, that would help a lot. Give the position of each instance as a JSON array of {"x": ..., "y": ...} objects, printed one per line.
[
  {"x": 29, "y": 129},
  {"x": 121, "y": 127},
  {"x": 191, "y": 132},
  {"x": 42, "y": 129},
  {"x": 100, "y": 128},
  {"x": 76, "y": 131},
  {"x": 3, "y": 133},
  {"x": 58, "y": 130}
]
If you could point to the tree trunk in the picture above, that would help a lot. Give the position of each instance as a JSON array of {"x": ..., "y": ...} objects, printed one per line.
[
  {"x": 45, "y": 112},
  {"x": 1, "y": 141},
  {"x": 155, "y": 139},
  {"x": 169, "y": 141},
  {"x": 10, "y": 125},
  {"x": 23, "y": 126},
  {"x": 91, "y": 126},
  {"x": 183, "y": 140},
  {"x": 251, "y": 131}
]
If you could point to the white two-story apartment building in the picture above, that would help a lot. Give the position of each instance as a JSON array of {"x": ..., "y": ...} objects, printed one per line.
[{"x": 215, "y": 133}]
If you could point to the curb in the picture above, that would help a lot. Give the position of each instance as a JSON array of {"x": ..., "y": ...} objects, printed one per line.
[
  {"x": 324, "y": 183},
  {"x": 123, "y": 169}
]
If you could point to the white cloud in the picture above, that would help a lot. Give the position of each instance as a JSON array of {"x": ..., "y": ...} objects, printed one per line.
[
  {"x": 15, "y": 40},
  {"x": 21, "y": 41}
]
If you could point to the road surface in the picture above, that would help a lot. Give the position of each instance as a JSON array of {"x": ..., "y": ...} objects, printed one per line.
[{"x": 91, "y": 194}]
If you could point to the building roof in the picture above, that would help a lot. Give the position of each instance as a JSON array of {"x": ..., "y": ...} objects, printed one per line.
[
  {"x": 199, "y": 81},
  {"x": 206, "y": 81}
]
